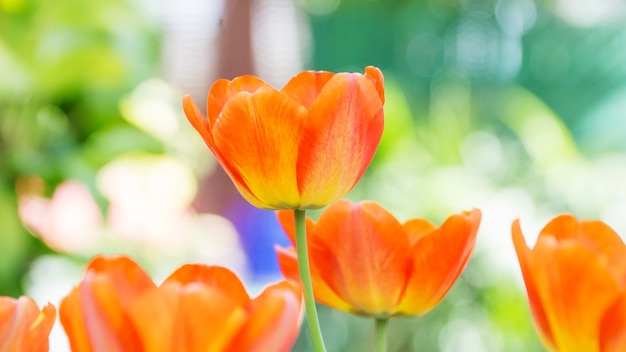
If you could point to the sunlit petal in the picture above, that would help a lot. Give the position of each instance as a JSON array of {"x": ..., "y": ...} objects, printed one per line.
[
  {"x": 23, "y": 327},
  {"x": 195, "y": 117},
  {"x": 288, "y": 261},
  {"x": 210, "y": 276},
  {"x": 434, "y": 270},
  {"x": 576, "y": 288},
  {"x": 299, "y": 148},
  {"x": 198, "y": 308},
  {"x": 613, "y": 327},
  {"x": 575, "y": 278},
  {"x": 306, "y": 86},
  {"x": 222, "y": 90},
  {"x": 524, "y": 255},
  {"x": 94, "y": 313},
  {"x": 376, "y": 76},
  {"x": 273, "y": 321},
  {"x": 339, "y": 139},
  {"x": 259, "y": 135},
  {"x": 365, "y": 262}
]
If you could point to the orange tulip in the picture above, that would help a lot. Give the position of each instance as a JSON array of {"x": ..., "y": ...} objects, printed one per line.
[
  {"x": 365, "y": 262},
  {"x": 576, "y": 283},
  {"x": 302, "y": 147},
  {"x": 23, "y": 327},
  {"x": 95, "y": 314},
  {"x": 116, "y": 307}
]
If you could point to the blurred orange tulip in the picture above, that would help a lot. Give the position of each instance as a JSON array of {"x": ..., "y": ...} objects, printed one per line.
[
  {"x": 299, "y": 148},
  {"x": 365, "y": 262},
  {"x": 576, "y": 283},
  {"x": 117, "y": 307},
  {"x": 23, "y": 327}
]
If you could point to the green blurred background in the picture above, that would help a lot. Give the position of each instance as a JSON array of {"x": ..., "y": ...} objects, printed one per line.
[{"x": 512, "y": 106}]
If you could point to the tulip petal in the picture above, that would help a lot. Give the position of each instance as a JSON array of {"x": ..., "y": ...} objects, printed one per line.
[
  {"x": 197, "y": 120},
  {"x": 16, "y": 316},
  {"x": 418, "y": 228},
  {"x": 94, "y": 316},
  {"x": 157, "y": 306},
  {"x": 211, "y": 276},
  {"x": 194, "y": 115},
  {"x": 260, "y": 135},
  {"x": 23, "y": 327},
  {"x": 434, "y": 270},
  {"x": 525, "y": 258},
  {"x": 71, "y": 316},
  {"x": 274, "y": 320},
  {"x": 352, "y": 244},
  {"x": 40, "y": 329},
  {"x": 340, "y": 136},
  {"x": 222, "y": 90},
  {"x": 306, "y": 86},
  {"x": 576, "y": 289},
  {"x": 613, "y": 327},
  {"x": 376, "y": 76},
  {"x": 186, "y": 318},
  {"x": 287, "y": 222},
  {"x": 593, "y": 234},
  {"x": 288, "y": 261}
]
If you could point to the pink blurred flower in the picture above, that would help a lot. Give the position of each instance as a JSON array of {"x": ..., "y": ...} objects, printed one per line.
[{"x": 68, "y": 222}]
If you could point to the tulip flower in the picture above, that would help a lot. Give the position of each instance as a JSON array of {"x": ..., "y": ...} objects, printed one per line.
[
  {"x": 117, "y": 307},
  {"x": 302, "y": 147},
  {"x": 364, "y": 261},
  {"x": 23, "y": 327},
  {"x": 575, "y": 279}
]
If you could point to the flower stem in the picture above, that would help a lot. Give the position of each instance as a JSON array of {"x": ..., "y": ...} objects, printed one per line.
[
  {"x": 305, "y": 278},
  {"x": 382, "y": 326}
]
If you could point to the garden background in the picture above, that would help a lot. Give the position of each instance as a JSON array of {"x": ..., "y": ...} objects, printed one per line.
[{"x": 515, "y": 107}]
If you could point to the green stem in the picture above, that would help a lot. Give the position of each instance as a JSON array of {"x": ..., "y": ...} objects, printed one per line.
[
  {"x": 305, "y": 277},
  {"x": 382, "y": 326}
]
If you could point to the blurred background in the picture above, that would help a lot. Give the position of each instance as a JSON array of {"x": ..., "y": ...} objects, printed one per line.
[{"x": 512, "y": 106}]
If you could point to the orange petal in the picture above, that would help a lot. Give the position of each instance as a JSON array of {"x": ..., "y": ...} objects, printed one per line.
[
  {"x": 576, "y": 289},
  {"x": 596, "y": 236},
  {"x": 613, "y": 327},
  {"x": 361, "y": 252},
  {"x": 208, "y": 319},
  {"x": 197, "y": 120},
  {"x": 40, "y": 329},
  {"x": 418, "y": 228},
  {"x": 216, "y": 277},
  {"x": 288, "y": 261},
  {"x": 71, "y": 316},
  {"x": 260, "y": 134},
  {"x": 23, "y": 327},
  {"x": 94, "y": 314},
  {"x": 287, "y": 222},
  {"x": 186, "y": 318},
  {"x": 340, "y": 136},
  {"x": 306, "y": 86},
  {"x": 274, "y": 320},
  {"x": 222, "y": 90},
  {"x": 525, "y": 257},
  {"x": 438, "y": 260},
  {"x": 194, "y": 115},
  {"x": 376, "y": 76},
  {"x": 608, "y": 244},
  {"x": 153, "y": 314}
]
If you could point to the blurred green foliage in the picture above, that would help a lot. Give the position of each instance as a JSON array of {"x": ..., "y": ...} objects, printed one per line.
[
  {"x": 486, "y": 99},
  {"x": 65, "y": 65}
]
